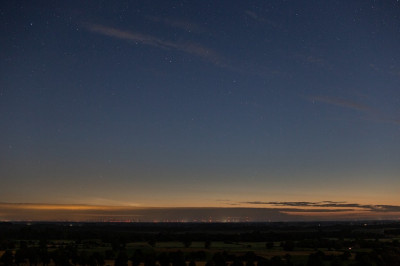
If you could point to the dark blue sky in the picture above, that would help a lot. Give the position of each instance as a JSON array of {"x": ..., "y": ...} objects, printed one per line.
[{"x": 200, "y": 103}]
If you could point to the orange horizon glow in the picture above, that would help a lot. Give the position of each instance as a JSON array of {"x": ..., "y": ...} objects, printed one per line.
[{"x": 84, "y": 212}]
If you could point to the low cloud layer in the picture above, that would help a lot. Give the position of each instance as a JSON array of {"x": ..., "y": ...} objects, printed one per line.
[
  {"x": 337, "y": 205},
  {"x": 271, "y": 211}
]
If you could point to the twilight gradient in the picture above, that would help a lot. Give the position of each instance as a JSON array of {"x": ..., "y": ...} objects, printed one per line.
[{"x": 200, "y": 103}]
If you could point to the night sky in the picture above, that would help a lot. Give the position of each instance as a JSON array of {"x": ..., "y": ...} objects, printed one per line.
[{"x": 250, "y": 104}]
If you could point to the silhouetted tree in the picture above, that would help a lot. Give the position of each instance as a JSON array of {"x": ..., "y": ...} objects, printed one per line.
[
  {"x": 20, "y": 256},
  {"x": 83, "y": 258},
  {"x": 60, "y": 257},
  {"x": 336, "y": 262},
  {"x": 23, "y": 245},
  {"x": 276, "y": 261},
  {"x": 74, "y": 256},
  {"x": 109, "y": 254},
  {"x": 150, "y": 260},
  {"x": 118, "y": 244},
  {"x": 316, "y": 259},
  {"x": 163, "y": 259},
  {"x": 269, "y": 245},
  {"x": 33, "y": 256},
  {"x": 178, "y": 258},
  {"x": 288, "y": 260},
  {"x": 210, "y": 263},
  {"x": 122, "y": 259},
  {"x": 391, "y": 256},
  {"x": 43, "y": 244},
  {"x": 346, "y": 255},
  {"x": 237, "y": 262},
  {"x": 199, "y": 255},
  {"x": 152, "y": 242},
  {"x": 187, "y": 243},
  {"x": 7, "y": 258},
  {"x": 219, "y": 259},
  {"x": 363, "y": 259},
  {"x": 44, "y": 257},
  {"x": 249, "y": 256},
  {"x": 250, "y": 263},
  {"x": 97, "y": 258},
  {"x": 137, "y": 257},
  {"x": 288, "y": 245},
  {"x": 263, "y": 262}
]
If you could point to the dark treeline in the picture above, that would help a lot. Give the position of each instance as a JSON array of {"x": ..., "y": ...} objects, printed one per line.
[
  {"x": 235, "y": 232},
  {"x": 98, "y": 244},
  {"x": 70, "y": 256}
]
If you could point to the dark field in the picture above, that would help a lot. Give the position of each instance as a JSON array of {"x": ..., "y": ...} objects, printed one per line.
[{"x": 214, "y": 244}]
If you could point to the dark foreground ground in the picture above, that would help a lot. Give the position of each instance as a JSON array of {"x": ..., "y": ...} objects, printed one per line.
[{"x": 214, "y": 244}]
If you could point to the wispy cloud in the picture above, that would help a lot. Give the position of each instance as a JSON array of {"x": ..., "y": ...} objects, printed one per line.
[
  {"x": 342, "y": 103},
  {"x": 386, "y": 208},
  {"x": 276, "y": 203},
  {"x": 391, "y": 70},
  {"x": 253, "y": 15},
  {"x": 312, "y": 60},
  {"x": 261, "y": 20},
  {"x": 326, "y": 205},
  {"x": 179, "y": 24},
  {"x": 185, "y": 46},
  {"x": 369, "y": 112},
  {"x": 191, "y": 48},
  {"x": 314, "y": 210}
]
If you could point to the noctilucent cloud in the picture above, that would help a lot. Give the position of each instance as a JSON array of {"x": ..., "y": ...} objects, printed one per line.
[{"x": 200, "y": 103}]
